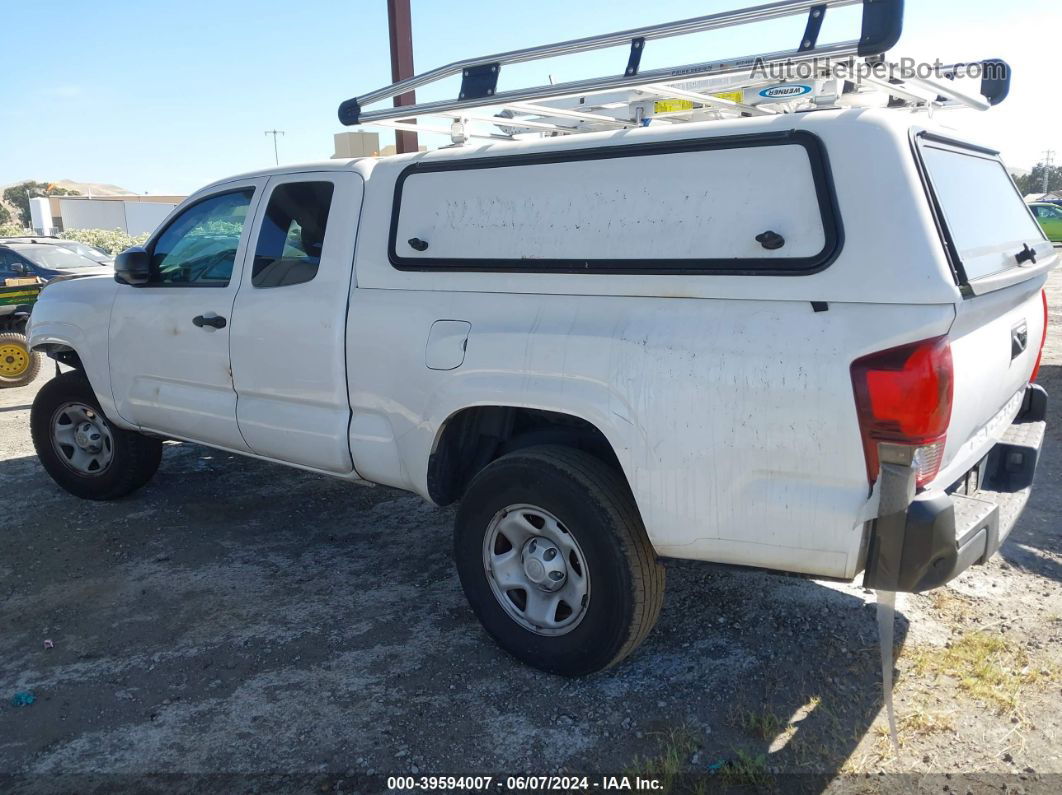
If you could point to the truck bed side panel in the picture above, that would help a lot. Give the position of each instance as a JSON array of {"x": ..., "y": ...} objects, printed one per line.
[{"x": 733, "y": 420}]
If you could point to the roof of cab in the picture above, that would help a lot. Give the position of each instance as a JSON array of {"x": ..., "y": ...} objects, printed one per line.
[{"x": 345, "y": 164}]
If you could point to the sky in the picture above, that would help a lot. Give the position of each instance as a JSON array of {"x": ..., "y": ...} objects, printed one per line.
[{"x": 165, "y": 96}]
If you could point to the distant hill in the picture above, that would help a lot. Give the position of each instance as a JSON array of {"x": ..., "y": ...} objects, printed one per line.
[
  {"x": 84, "y": 188},
  {"x": 92, "y": 188}
]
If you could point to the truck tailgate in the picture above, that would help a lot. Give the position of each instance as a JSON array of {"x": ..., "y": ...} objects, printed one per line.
[{"x": 995, "y": 344}]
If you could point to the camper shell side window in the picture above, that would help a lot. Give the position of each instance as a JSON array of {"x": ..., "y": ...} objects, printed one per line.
[{"x": 760, "y": 204}]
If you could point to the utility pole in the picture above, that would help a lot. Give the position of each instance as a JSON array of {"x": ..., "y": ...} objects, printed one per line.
[
  {"x": 1049, "y": 160},
  {"x": 275, "y": 133},
  {"x": 400, "y": 30}
]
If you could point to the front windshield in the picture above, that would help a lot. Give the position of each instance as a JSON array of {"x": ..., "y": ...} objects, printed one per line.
[
  {"x": 84, "y": 250},
  {"x": 54, "y": 257}
]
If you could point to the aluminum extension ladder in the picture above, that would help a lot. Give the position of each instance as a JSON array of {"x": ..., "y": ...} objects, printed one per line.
[{"x": 692, "y": 92}]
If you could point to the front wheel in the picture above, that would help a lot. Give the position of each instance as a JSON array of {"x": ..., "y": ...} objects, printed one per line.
[
  {"x": 81, "y": 449},
  {"x": 18, "y": 364},
  {"x": 555, "y": 562}
]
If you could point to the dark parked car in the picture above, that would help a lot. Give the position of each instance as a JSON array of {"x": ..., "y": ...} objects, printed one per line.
[
  {"x": 84, "y": 249},
  {"x": 46, "y": 260}
]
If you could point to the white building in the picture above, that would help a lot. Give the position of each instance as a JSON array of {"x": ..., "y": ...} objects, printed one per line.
[{"x": 129, "y": 213}]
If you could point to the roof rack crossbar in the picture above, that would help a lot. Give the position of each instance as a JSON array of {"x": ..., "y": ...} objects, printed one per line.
[
  {"x": 948, "y": 92},
  {"x": 565, "y": 113},
  {"x": 898, "y": 89},
  {"x": 881, "y": 25},
  {"x": 515, "y": 121},
  {"x": 930, "y": 92},
  {"x": 409, "y": 126}
]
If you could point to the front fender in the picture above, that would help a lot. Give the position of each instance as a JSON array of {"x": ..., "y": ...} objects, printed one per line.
[{"x": 75, "y": 315}]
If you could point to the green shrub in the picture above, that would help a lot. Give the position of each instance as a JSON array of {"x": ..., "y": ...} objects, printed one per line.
[
  {"x": 12, "y": 229},
  {"x": 112, "y": 241}
]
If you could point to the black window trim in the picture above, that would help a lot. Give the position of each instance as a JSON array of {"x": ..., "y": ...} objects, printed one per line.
[
  {"x": 920, "y": 138},
  {"x": 829, "y": 212},
  {"x": 163, "y": 230}
]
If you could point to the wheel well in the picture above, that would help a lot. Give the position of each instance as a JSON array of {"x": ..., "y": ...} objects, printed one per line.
[
  {"x": 63, "y": 355},
  {"x": 474, "y": 437}
]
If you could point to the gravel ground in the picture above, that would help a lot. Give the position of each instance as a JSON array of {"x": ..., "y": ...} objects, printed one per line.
[{"x": 241, "y": 619}]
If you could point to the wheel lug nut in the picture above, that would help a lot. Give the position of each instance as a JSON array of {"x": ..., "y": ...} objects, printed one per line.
[
  {"x": 556, "y": 576},
  {"x": 550, "y": 554}
]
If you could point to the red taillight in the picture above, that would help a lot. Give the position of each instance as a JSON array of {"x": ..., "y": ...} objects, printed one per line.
[
  {"x": 903, "y": 396},
  {"x": 1043, "y": 341}
]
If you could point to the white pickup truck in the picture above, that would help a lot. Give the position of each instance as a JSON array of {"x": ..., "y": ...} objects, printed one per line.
[
  {"x": 583, "y": 340},
  {"x": 799, "y": 341}
]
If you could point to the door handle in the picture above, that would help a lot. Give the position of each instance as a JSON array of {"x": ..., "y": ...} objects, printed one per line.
[
  {"x": 215, "y": 321},
  {"x": 1019, "y": 340}
]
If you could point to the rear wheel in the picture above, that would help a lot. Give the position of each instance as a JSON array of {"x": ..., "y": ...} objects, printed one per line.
[
  {"x": 81, "y": 449},
  {"x": 18, "y": 364},
  {"x": 555, "y": 561}
]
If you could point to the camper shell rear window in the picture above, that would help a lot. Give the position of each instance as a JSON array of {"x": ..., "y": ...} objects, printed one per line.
[
  {"x": 673, "y": 207},
  {"x": 982, "y": 217}
]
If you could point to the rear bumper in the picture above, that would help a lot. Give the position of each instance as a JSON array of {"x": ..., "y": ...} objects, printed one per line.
[{"x": 943, "y": 533}]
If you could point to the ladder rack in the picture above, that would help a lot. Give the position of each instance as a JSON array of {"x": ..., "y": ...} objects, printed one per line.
[{"x": 691, "y": 92}]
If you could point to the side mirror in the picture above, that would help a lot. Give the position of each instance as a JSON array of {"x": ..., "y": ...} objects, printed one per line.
[
  {"x": 18, "y": 267},
  {"x": 132, "y": 266}
]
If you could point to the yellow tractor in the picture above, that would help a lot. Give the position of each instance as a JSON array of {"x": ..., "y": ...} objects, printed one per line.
[{"x": 18, "y": 364}]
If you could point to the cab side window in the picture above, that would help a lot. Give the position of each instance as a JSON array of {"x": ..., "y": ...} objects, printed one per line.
[
  {"x": 292, "y": 236},
  {"x": 199, "y": 248},
  {"x": 11, "y": 267}
]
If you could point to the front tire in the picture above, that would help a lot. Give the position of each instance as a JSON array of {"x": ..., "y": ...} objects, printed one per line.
[
  {"x": 81, "y": 449},
  {"x": 18, "y": 364},
  {"x": 555, "y": 561}
]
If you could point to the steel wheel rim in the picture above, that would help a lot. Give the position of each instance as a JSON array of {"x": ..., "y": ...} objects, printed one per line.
[
  {"x": 14, "y": 360},
  {"x": 523, "y": 572},
  {"x": 82, "y": 439}
]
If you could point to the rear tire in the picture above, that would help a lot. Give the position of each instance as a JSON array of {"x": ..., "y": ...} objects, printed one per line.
[
  {"x": 576, "y": 612},
  {"x": 81, "y": 449},
  {"x": 18, "y": 364}
]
